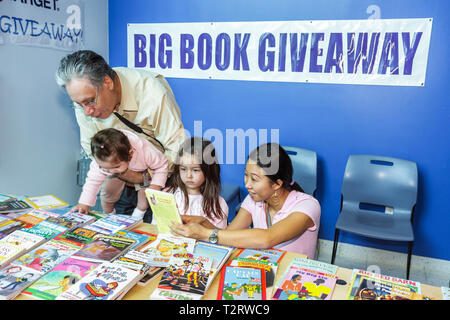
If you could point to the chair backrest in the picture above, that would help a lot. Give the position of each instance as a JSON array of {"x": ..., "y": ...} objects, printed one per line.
[
  {"x": 378, "y": 183},
  {"x": 304, "y": 162}
]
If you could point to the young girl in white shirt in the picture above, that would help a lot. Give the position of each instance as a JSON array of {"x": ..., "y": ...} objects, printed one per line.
[{"x": 195, "y": 182}]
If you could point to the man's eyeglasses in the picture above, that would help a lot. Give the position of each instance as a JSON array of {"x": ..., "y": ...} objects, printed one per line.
[{"x": 77, "y": 105}]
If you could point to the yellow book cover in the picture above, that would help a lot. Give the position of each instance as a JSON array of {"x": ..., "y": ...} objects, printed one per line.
[
  {"x": 48, "y": 201},
  {"x": 164, "y": 209}
]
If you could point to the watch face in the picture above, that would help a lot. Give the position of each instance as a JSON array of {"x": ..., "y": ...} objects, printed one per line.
[
  {"x": 213, "y": 236},
  {"x": 213, "y": 239}
]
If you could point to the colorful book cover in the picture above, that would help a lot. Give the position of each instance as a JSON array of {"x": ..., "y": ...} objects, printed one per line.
[
  {"x": 48, "y": 201},
  {"x": 105, "y": 226},
  {"x": 134, "y": 260},
  {"x": 165, "y": 246},
  {"x": 9, "y": 251},
  {"x": 127, "y": 221},
  {"x": 107, "y": 282},
  {"x": 304, "y": 284},
  {"x": 8, "y": 227},
  {"x": 238, "y": 283},
  {"x": 79, "y": 235},
  {"x": 366, "y": 285},
  {"x": 60, "y": 278},
  {"x": 13, "y": 279},
  {"x": 104, "y": 248},
  {"x": 68, "y": 223},
  {"x": 164, "y": 209},
  {"x": 79, "y": 218},
  {"x": 47, "y": 229},
  {"x": 33, "y": 217},
  {"x": 271, "y": 255},
  {"x": 22, "y": 238},
  {"x": 46, "y": 256},
  {"x": 14, "y": 205},
  {"x": 185, "y": 274},
  {"x": 139, "y": 238}
]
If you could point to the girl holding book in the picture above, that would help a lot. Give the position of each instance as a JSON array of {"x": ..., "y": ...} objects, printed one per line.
[
  {"x": 195, "y": 183},
  {"x": 283, "y": 217},
  {"x": 116, "y": 151}
]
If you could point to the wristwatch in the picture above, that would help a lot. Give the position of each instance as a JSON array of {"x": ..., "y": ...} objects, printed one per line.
[
  {"x": 145, "y": 179},
  {"x": 213, "y": 237}
]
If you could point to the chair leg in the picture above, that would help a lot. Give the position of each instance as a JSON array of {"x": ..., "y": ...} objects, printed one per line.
[
  {"x": 408, "y": 262},
  {"x": 335, "y": 244}
]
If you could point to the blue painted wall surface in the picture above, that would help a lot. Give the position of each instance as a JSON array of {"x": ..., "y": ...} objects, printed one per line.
[{"x": 334, "y": 120}]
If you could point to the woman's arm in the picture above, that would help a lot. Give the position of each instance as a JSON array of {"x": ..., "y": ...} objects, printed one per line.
[{"x": 284, "y": 230}]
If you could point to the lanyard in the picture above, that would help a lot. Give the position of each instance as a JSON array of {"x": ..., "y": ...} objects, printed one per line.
[{"x": 268, "y": 220}]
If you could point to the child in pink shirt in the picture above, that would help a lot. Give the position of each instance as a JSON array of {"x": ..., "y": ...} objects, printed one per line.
[
  {"x": 115, "y": 152},
  {"x": 195, "y": 182}
]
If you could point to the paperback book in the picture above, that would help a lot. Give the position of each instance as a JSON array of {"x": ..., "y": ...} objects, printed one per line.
[
  {"x": 164, "y": 209},
  {"x": 33, "y": 217},
  {"x": 271, "y": 255},
  {"x": 237, "y": 283},
  {"x": 79, "y": 235},
  {"x": 15, "y": 278},
  {"x": 107, "y": 282},
  {"x": 59, "y": 279},
  {"x": 17, "y": 243},
  {"x": 105, "y": 226},
  {"x": 304, "y": 284},
  {"x": 80, "y": 219},
  {"x": 166, "y": 245},
  {"x": 186, "y": 277},
  {"x": 47, "y": 229},
  {"x": 9, "y": 226},
  {"x": 126, "y": 221},
  {"x": 14, "y": 205},
  {"x": 48, "y": 201},
  {"x": 140, "y": 238},
  {"x": 104, "y": 248}
]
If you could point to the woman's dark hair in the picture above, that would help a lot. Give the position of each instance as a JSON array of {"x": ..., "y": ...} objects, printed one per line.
[
  {"x": 205, "y": 153},
  {"x": 276, "y": 164},
  {"x": 110, "y": 142}
]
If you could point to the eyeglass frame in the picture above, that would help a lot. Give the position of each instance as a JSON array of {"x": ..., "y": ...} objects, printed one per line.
[{"x": 77, "y": 105}]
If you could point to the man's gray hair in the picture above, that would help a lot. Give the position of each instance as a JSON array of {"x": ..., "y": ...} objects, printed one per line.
[{"x": 83, "y": 63}]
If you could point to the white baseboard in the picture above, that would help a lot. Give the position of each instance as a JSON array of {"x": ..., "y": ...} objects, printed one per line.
[{"x": 430, "y": 271}]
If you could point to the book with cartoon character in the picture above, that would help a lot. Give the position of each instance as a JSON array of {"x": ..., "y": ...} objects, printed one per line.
[
  {"x": 59, "y": 279},
  {"x": 164, "y": 209},
  {"x": 105, "y": 248},
  {"x": 186, "y": 275},
  {"x": 108, "y": 281},
  {"x": 237, "y": 283},
  {"x": 14, "y": 278},
  {"x": 166, "y": 245}
]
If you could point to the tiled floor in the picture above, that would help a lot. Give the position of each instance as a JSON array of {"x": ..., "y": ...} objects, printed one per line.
[{"x": 425, "y": 270}]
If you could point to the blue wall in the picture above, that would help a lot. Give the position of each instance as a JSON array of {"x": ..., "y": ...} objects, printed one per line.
[{"x": 334, "y": 120}]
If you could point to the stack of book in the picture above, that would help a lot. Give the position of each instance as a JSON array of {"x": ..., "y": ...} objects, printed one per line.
[
  {"x": 113, "y": 223},
  {"x": 306, "y": 279},
  {"x": 11, "y": 204},
  {"x": 16, "y": 244}
]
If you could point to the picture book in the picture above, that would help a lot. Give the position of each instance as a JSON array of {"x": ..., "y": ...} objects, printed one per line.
[
  {"x": 9, "y": 252},
  {"x": 269, "y": 268},
  {"x": 105, "y": 226},
  {"x": 68, "y": 223},
  {"x": 48, "y": 201},
  {"x": 271, "y": 255},
  {"x": 164, "y": 209},
  {"x": 104, "y": 248},
  {"x": 151, "y": 274},
  {"x": 79, "y": 235},
  {"x": 218, "y": 254},
  {"x": 134, "y": 260},
  {"x": 23, "y": 238},
  {"x": 33, "y": 217},
  {"x": 140, "y": 238},
  {"x": 59, "y": 279},
  {"x": 237, "y": 283},
  {"x": 46, "y": 256},
  {"x": 166, "y": 245},
  {"x": 14, "y": 205},
  {"x": 107, "y": 282},
  {"x": 187, "y": 275},
  {"x": 79, "y": 218},
  {"x": 9, "y": 226},
  {"x": 47, "y": 229},
  {"x": 304, "y": 284},
  {"x": 126, "y": 221},
  {"x": 366, "y": 285},
  {"x": 13, "y": 279}
]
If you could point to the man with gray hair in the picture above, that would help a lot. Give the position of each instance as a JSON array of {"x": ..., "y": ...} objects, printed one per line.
[{"x": 123, "y": 98}]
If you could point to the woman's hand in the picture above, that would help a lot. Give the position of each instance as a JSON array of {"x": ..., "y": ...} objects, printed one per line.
[
  {"x": 190, "y": 230},
  {"x": 81, "y": 208},
  {"x": 192, "y": 219}
]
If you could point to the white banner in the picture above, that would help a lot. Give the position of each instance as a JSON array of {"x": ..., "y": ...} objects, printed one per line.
[
  {"x": 56, "y": 24},
  {"x": 371, "y": 52}
]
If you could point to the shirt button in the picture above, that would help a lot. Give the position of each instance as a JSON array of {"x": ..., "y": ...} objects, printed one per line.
[{"x": 126, "y": 115}]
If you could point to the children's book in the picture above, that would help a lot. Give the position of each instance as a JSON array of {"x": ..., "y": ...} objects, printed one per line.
[
  {"x": 46, "y": 256},
  {"x": 219, "y": 255},
  {"x": 9, "y": 226},
  {"x": 105, "y": 226},
  {"x": 304, "y": 284},
  {"x": 70, "y": 224},
  {"x": 186, "y": 275},
  {"x": 271, "y": 255},
  {"x": 59, "y": 279},
  {"x": 269, "y": 268},
  {"x": 237, "y": 283},
  {"x": 166, "y": 245},
  {"x": 107, "y": 282},
  {"x": 79, "y": 218},
  {"x": 151, "y": 274},
  {"x": 14, "y": 205},
  {"x": 48, "y": 201},
  {"x": 13, "y": 279},
  {"x": 140, "y": 238},
  {"x": 80, "y": 235},
  {"x": 22, "y": 238},
  {"x": 126, "y": 221},
  {"x": 47, "y": 229},
  {"x": 33, "y": 217},
  {"x": 164, "y": 209},
  {"x": 104, "y": 248},
  {"x": 366, "y": 285},
  {"x": 134, "y": 260}
]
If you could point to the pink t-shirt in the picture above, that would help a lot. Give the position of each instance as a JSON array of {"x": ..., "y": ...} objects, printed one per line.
[
  {"x": 295, "y": 202},
  {"x": 196, "y": 208}
]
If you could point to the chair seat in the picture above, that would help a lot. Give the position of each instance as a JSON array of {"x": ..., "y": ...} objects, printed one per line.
[{"x": 375, "y": 225}]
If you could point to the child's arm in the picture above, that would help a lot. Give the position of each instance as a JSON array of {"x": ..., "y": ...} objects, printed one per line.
[
  {"x": 81, "y": 208},
  {"x": 92, "y": 185},
  {"x": 158, "y": 163}
]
